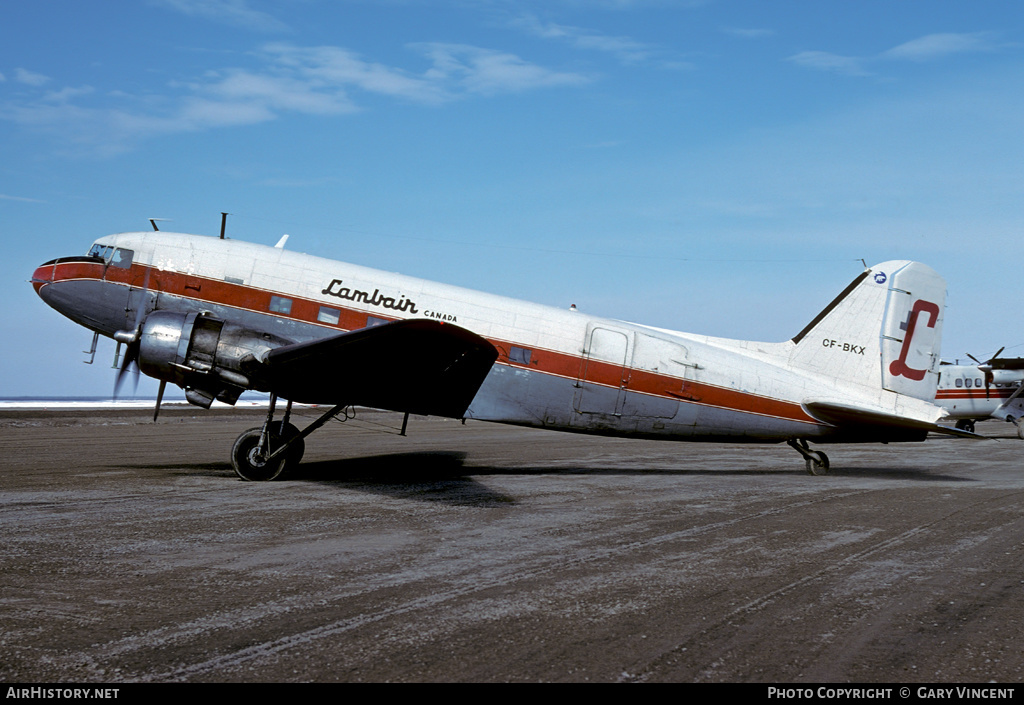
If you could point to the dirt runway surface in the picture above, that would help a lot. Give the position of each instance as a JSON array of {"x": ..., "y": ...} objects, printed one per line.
[{"x": 479, "y": 552}]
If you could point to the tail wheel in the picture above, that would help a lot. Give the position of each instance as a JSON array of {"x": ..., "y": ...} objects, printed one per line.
[
  {"x": 817, "y": 463},
  {"x": 252, "y": 465}
]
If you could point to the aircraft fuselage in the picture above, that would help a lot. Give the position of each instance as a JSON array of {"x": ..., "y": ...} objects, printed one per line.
[{"x": 556, "y": 368}]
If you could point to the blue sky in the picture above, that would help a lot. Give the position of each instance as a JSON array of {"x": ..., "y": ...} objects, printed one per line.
[{"x": 709, "y": 166}]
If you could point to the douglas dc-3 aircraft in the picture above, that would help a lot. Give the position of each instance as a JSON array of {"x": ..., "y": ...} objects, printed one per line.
[{"x": 218, "y": 317}]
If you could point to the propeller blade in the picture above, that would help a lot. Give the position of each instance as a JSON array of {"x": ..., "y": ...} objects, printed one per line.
[
  {"x": 131, "y": 355},
  {"x": 159, "y": 398},
  {"x": 973, "y": 358},
  {"x": 997, "y": 353},
  {"x": 131, "y": 338}
]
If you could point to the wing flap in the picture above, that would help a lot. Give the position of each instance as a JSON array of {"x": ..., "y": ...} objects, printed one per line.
[{"x": 419, "y": 366}]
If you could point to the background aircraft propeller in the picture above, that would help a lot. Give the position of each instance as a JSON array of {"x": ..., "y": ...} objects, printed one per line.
[{"x": 986, "y": 368}]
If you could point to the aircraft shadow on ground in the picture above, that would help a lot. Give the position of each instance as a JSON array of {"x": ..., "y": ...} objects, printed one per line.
[
  {"x": 439, "y": 476},
  {"x": 898, "y": 473},
  {"x": 444, "y": 475},
  {"x": 419, "y": 467}
]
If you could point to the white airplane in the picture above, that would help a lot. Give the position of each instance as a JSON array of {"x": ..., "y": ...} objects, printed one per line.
[
  {"x": 218, "y": 317},
  {"x": 991, "y": 389}
]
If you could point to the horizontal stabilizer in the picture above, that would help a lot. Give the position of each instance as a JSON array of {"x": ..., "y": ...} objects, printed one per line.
[
  {"x": 859, "y": 420},
  {"x": 419, "y": 366}
]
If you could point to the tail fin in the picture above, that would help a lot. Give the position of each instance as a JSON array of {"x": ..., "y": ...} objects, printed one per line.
[{"x": 883, "y": 332}]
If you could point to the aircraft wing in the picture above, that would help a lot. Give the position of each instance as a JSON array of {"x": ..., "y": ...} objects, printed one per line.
[
  {"x": 873, "y": 422},
  {"x": 419, "y": 366},
  {"x": 1006, "y": 363}
]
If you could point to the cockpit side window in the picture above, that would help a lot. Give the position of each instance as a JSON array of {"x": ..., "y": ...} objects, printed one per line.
[{"x": 122, "y": 258}]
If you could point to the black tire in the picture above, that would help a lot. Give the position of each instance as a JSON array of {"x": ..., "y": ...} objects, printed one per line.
[
  {"x": 966, "y": 425},
  {"x": 817, "y": 465},
  {"x": 247, "y": 466},
  {"x": 297, "y": 449}
]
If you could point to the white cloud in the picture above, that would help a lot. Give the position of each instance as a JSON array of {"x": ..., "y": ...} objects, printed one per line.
[
  {"x": 277, "y": 93},
  {"x": 748, "y": 33},
  {"x": 327, "y": 66},
  {"x": 824, "y": 61},
  {"x": 934, "y": 46},
  {"x": 927, "y": 48},
  {"x": 625, "y": 49},
  {"x": 476, "y": 70},
  {"x": 233, "y": 12},
  {"x": 68, "y": 93},
  {"x": 30, "y": 78},
  {"x": 305, "y": 80},
  {"x": 22, "y": 199}
]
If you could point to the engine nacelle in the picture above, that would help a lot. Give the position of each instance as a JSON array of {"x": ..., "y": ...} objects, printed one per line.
[
  {"x": 207, "y": 357},
  {"x": 1007, "y": 377}
]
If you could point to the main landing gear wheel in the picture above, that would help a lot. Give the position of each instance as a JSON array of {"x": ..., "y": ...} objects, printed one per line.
[
  {"x": 252, "y": 463},
  {"x": 966, "y": 425},
  {"x": 816, "y": 461},
  {"x": 1019, "y": 423},
  {"x": 253, "y": 457},
  {"x": 286, "y": 431}
]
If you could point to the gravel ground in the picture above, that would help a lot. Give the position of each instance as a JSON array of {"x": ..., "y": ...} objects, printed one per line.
[{"x": 478, "y": 552}]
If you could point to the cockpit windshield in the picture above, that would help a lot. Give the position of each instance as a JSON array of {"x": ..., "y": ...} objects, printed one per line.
[
  {"x": 101, "y": 251},
  {"x": 116, "y": 256}
]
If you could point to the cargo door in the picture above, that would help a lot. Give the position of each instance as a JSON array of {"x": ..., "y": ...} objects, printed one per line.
[
  {"x": 657, "y": 379},
  {"x": 600, "y": 388}
]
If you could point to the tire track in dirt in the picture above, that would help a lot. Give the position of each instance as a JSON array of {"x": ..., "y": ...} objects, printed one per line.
[
  {"x": 518, "y": 573},
  {"x": 721, "y": 632}
]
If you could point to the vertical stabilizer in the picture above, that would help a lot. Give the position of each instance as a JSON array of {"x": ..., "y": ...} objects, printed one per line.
[{"x": 883, "y": 332}]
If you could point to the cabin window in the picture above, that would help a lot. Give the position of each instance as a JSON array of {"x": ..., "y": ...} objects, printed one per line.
[
  {"x": 959, "y": 382},
  {"x": 329, "y": 315},
  {"x": 279, "y": 304},
  {"x": 372, "y": 321},
  {"x": 122, "y": 258},
  {"x": 967, "y": 382},
  {"x": 520, "y": 355},
  {"x": 977, "y": 382}
]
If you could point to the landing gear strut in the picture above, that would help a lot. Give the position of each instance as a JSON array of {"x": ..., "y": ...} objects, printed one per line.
[
  {"x": 262, "y": 454},
  {"x": 1019, "y": 423},
  {"x": 817, "y": 461}
]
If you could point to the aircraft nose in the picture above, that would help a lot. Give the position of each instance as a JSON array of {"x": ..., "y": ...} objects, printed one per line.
[{"x": 42, "y": 276}]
